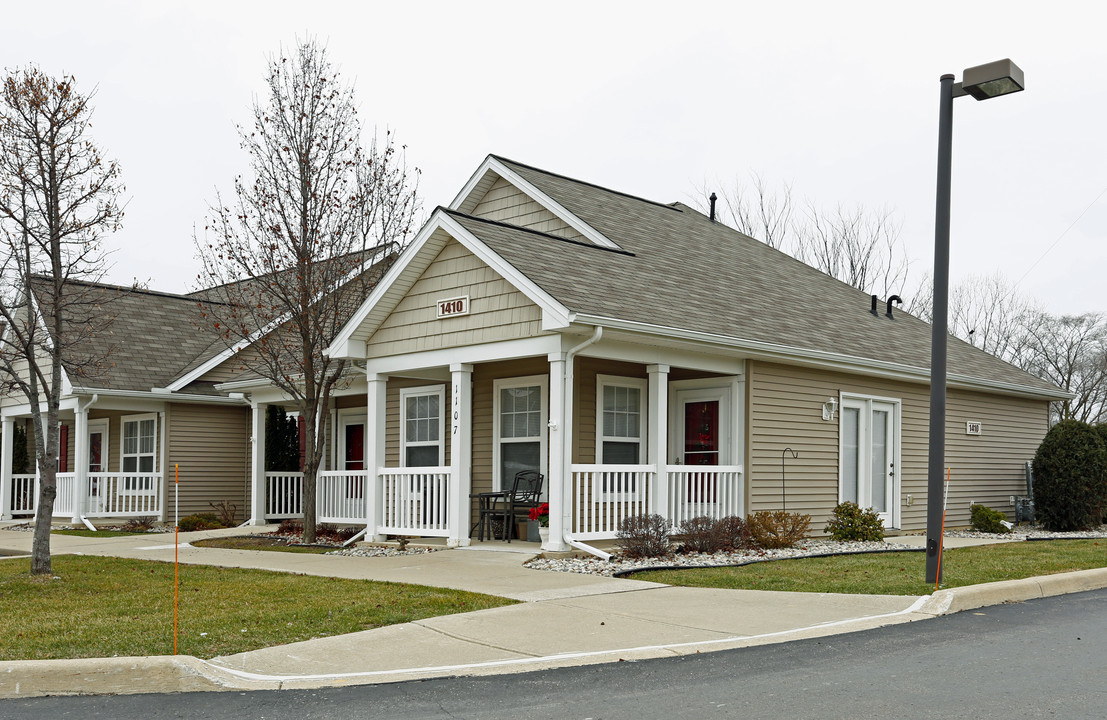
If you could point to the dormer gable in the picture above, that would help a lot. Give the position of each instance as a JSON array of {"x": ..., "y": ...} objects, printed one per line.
[{"x": 496, "y": 192}]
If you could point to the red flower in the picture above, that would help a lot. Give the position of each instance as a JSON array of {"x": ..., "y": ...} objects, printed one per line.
[{"x": 542, "y": 512}]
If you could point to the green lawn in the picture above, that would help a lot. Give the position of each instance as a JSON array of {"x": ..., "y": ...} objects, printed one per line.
[
  {"x": 257, "y": 542},
  {"x": 100, "y": 607},
  {"x": 896, "y": 573}
]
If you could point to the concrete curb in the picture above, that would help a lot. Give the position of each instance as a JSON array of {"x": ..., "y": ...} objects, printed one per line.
[
  {"x": 970, "y": 597},
  {"x": 185, "y": 673},
  {"x": 112, "y": 676}
]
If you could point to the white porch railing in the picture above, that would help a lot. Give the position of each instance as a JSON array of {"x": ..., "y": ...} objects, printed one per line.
[
  {"x": 716, "y": 491},
  {"x": 24, "y": 494},
  {"x": 339, "y": 496},
  {"x": 63, "y": 501},
  {"x": 414, "y": 501},
  {"x": 605, "y": 494},
  {"x": 122, "y": 494},
  {"x": 284, "y": 495}
]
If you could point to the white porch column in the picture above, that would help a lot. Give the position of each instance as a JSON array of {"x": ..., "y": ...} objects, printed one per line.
[
  {"x": 7, "y": 427},
  {"x": 163, "y": 462},
  {"x": 80, "y": 460},
  {"x": 461, "y": 454},
  {"x": 560, "y": 481},
  {"x": 376, "y": 398},
  {"x": 657, "y": 448},
  {"x": 257, "y": 463}
]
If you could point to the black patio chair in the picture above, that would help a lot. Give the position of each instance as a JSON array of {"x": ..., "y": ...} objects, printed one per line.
[{"x": 525, "y": 495}]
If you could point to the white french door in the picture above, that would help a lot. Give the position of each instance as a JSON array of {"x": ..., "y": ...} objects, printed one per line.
[
  {"x": 97, "y": 455},
  {"x": 869, "y": 438}
]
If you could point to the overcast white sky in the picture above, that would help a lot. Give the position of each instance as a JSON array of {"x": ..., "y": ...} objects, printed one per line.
[{"x": 651, "y": 98}]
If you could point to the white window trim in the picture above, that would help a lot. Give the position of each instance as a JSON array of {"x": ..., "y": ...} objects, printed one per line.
[
  {"x": 865, "y": 403},
  {"x": 100, "y": 425},
  {"x": 440, "y": 391},
  {"x": 543, "y": 381},
  {"x": 122, "y": 446},
  {"x": 342, "y": 417},
  {"x": 640, "y": 384}
]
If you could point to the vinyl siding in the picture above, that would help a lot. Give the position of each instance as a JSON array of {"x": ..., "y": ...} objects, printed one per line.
[
  {"x": 508, "y": 204},
  {"x": 212, "y": 447},
  {"x": 497, "y": 310},
  {"x": 785, "y": 411}
]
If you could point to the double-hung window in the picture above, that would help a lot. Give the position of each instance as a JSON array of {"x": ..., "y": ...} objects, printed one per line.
[
  {"x": 620, "y": 420},
  {"x": 422, "y": 418},
  {"x": 521, "y": 416},
  {"x": 139, "y": 452}
]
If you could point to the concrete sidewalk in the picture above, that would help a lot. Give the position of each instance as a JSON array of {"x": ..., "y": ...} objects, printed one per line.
[{"x": 565, "y": 619}]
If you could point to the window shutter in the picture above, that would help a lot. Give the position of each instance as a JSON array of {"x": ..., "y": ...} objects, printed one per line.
[
  {"x": 303, "y": 440},
  {"x": 63, "y": 449}
]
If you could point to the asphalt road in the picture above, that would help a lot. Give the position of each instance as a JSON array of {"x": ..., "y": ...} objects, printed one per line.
[{"x": 1043, "y": 658}]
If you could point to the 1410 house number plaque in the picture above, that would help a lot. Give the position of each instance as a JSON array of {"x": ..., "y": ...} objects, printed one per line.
[{"x": 453, "y": 307}]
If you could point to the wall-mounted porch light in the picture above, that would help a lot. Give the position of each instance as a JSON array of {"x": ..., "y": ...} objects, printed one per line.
[{"x": 829, "y": 408}]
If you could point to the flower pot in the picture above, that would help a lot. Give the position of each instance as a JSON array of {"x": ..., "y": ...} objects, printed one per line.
[
  {"x": 544, "y": 535},
  {"x": 532, "y": 531}
]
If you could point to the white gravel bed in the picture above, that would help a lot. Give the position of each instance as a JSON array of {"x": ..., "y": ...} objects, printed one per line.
[
  {"x": 1024, "y": 532},
  {"x": 377, "y": 551},
  {"x": 807, "y": 548}
]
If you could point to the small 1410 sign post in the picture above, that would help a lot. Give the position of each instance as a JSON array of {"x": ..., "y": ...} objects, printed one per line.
[{"x": 453, "y": 307}]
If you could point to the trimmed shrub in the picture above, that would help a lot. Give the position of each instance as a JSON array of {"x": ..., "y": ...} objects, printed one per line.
[
  {"x": 778, "y": 529},
  {"x": 698, "y": 535},
  {"x": 644, "y": 536},
  {"x": 1070, "y": 477},
  {"x": 732, "y": 534},
  {"x": 290, "y": 526},
  {"x": 853, "y": 523},
  {"x": 985, "y": 519},
  {"x": 200, "y": 521}
]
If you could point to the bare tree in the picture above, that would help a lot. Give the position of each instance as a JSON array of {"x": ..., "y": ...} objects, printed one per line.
[
  {"x": 289, "y": 260},
  {"x": 861, "y": 247},
  {"x": 985, "y": 311},
  {"x": 1071, "y": 352},
  {"x": 58, "y": 195},
  {"x": 756, "y": 210}
]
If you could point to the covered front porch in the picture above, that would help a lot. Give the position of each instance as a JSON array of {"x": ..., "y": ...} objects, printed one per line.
[
  {"x": 111, "y": 462},
  {"x": 616, "y": 429}
]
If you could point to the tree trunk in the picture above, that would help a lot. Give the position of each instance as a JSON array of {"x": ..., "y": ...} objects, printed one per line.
[
  {"x": 311, "y": 472},
  {"x": 40, "y": 546}
]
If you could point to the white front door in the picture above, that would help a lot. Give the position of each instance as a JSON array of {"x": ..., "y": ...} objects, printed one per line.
[
  {"x": 868, "y": 473},
  {"x": 97, "y": 457}
]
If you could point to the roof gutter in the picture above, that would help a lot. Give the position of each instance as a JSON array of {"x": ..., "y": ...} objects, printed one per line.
[
  {"x": 817, "y": 358},
  {"x": 96, "y": 393}
]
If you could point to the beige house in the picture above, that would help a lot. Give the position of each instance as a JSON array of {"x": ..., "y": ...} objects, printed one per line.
[
  {"x": 644, "y": 359},
  {"x": 151, "y": 409}
]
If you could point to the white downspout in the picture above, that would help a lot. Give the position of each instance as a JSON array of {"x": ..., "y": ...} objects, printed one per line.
[{"x": 567, "y": 461}]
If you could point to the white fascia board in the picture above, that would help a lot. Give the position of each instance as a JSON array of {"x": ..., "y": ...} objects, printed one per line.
[
  {"x": 815, "y": 358},
  {"x": 542, "y": 346},
  {"x": 159, "y": 397},
  {"x": 341, "y": 346},
  {"x": 659, "y": 355},
  {"x": 558, "y": 314},
  {"x": 491, "y": 164}
]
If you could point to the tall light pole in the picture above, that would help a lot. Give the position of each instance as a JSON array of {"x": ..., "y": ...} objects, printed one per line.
[{"x": 981, "y": 82}]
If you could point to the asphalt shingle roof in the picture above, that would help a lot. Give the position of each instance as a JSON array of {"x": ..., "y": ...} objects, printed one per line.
[{"x": 680, "y": 270}]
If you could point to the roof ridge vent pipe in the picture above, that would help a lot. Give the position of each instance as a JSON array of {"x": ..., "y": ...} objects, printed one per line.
[
  {"x": 894, "y": 299},
  {"x": 713, "y": 198},
  {"x": 873, "y": 310}
]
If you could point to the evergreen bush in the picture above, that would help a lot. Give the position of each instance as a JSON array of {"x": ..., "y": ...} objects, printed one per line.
[
  {"x": 985, "y": 519},
  {"x": 1070, "y": 477},
  {"x": 851, "y": 522},
  {"x": 282, "y": 441}
]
